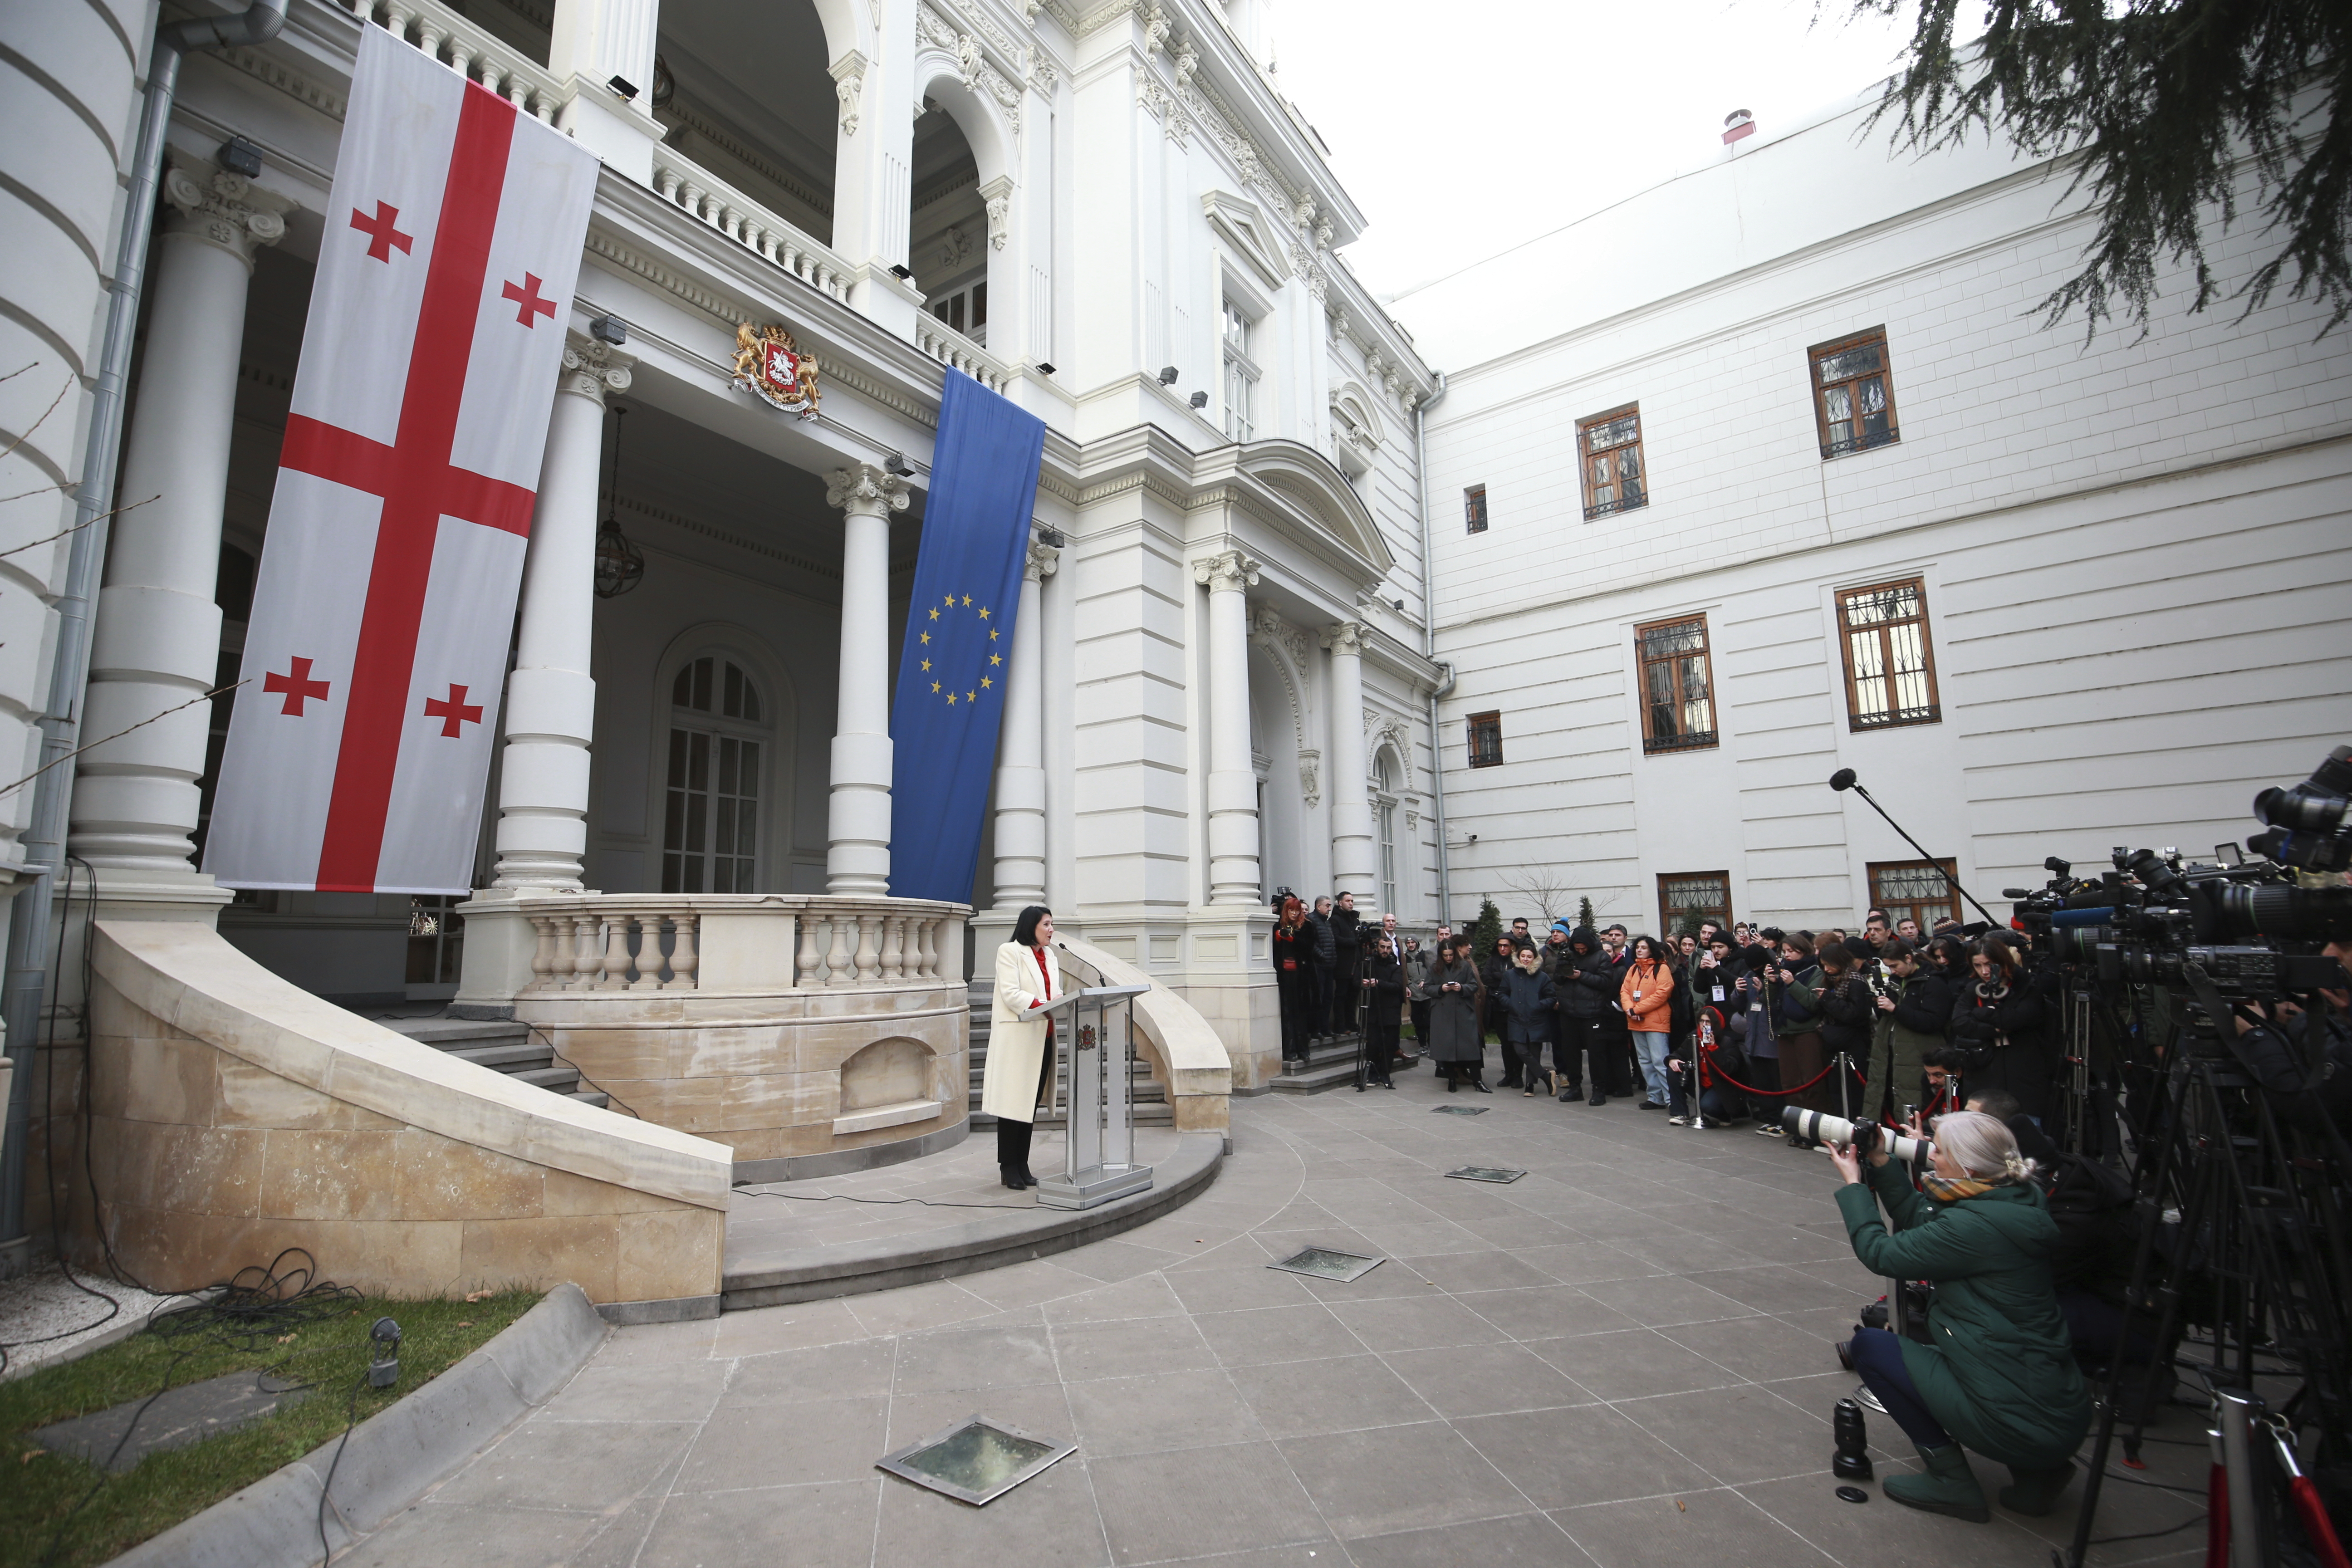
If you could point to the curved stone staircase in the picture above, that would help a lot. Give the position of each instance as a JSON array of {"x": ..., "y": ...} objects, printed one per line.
[{"x": 502, "y": 1045}]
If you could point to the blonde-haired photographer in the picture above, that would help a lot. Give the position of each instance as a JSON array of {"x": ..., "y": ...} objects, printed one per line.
[{"x": 1996, "y": 1372}]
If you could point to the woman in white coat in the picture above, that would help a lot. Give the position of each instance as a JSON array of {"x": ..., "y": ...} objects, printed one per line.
[{"x": 1020, "y": 1069}]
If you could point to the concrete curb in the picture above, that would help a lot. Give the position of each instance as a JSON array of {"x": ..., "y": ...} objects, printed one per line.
[{"x": 392, "y": 1457}]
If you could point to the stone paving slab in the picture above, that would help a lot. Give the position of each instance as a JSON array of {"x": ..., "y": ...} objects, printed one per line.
[{"x": 1623, "y": 1359}]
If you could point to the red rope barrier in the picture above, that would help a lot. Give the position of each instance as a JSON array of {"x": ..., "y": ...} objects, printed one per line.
[{"x": 1770, "y": 1093}]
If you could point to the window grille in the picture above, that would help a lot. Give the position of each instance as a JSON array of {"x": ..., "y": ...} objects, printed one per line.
[
  {"x": 1687, "y": 897},
  {"x": 1921, "y": 891},
  {"x": 1610, "y": 446},
  {"x": 1677, "y": 685},
  {"x": 1474, "y": 508},
  {"x": 1486, "y": 740},
  {"x": 1890, "y": 669},
  {"x": 1854, "y": 395}
]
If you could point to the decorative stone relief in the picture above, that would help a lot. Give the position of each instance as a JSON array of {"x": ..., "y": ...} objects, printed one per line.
[
  {"x": 972, "y": 64},
  {"x": 1310, "y": 778},
  {"x": 998, "y": 194},
  {"x": 1156, "y": 27},
  {"x": 1387, "y": 728},
  {"x": 1043, "y": 562},
  {"x": 1273, "y": 632},
  {"x": 954, "y": 245},
  {"x": 228, "y": 209},
  {"x": 1346, "y": 638},
  {"x": 1187, "y": 61},
  {"x": 1412, "y": 819},
  {"x": 1226, "y": 574},
  {"x": 590, "y": 368},
  {"x": 849, "y": 86},
  {"x": 865, "y": 490},
  {"x": 1150, "y": 96}
]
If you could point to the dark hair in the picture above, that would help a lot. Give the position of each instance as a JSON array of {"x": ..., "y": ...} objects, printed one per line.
[
  {"x": 1951, "y": 1059},
  {"x": 1898, "y": 947},
  {"x": 1996, "y": 1103},
  {"x": 1953, "y": 952},
  {"x": 1836, "y": 959},
  {"x": 1025, "y": 929}
]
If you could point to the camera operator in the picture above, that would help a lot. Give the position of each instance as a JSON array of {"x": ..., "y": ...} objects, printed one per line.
[
  {"x": 1849, "y": 1006},
  {"x": 1754, "y": 1023},
  {"x": 1914, "y": 1008},
  {"x": 1789, "y": 992},
  {"x": 1584, "y": 986},
  {"x": 1998, "y": 1372},
  {"x": 2000, "y": 1019}
]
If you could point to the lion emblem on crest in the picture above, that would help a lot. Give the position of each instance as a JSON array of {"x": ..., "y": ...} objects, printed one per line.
[{"x": 769, "y": 364}]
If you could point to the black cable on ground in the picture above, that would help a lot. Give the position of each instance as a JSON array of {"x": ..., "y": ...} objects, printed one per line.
[
  {"x": 2197, "y": 1517},
  {"x": 845, "y": 1198},
  {"x": 351, "y": 1419}
]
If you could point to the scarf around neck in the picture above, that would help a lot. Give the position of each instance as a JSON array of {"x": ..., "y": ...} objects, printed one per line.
[{"x": 1952, "y": 1189}]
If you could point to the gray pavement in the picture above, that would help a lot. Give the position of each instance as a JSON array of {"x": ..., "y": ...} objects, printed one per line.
[{"x": 1623, "y": 1358}]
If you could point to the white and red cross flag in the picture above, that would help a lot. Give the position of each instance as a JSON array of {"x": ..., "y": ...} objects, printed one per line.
[{"x": 359, "y": 747}]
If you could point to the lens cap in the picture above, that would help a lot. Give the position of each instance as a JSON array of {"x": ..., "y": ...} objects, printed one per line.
[{"x": 1853, "y": 1494}]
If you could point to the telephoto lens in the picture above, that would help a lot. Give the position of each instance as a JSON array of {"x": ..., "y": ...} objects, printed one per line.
[
  {"x": 1852, "y": 1460},
  {"x": 1821, "y": 1126}
]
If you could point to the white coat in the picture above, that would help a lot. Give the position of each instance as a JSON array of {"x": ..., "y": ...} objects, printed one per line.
[{"x": 1016, "y": 1041}]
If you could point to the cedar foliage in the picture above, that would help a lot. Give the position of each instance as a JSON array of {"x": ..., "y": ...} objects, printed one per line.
[
  {"x": 1487, "y": 930},
  {"x": 2160, "y": 100}
]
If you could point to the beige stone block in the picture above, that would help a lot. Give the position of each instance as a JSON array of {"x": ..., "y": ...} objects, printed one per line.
[
  {"x": 255, "y": 1097},
  {"x": 439, "y": 1178},
  {"x": 669, "y": 1253},
  {"x": 736, "y": 1052},
  {"x": 173, "y": 1251},
  {"x": 644, "y": 1053},
  {"x": 111, "y": 1012},
  {"x": 542, "y": 1254},
  {"x": 948, "y": 1117},
  {"x": 756, "y": 1142},
  {"x": 1202, "y": 1112},
  {"x": 189, "y": 1170},
  {"x": 561, "y": 1193},
  {"x": 331, "y": 1175},
  {"x": 138, "y": 1078},
  {"x": 812, "y": 1138}
]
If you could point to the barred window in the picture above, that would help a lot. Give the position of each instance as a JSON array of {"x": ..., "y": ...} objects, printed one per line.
[
  {"x": 1474, "y": 508},
  {"x": 1677, "y": 685},
  {"x": 1890, "y": 669},
  {"x": 1687, "y": 897},
  {"x": 1610, "y": 447},
  {"x": 1486, "y": 740},
  {"x": 1853, "y": 394},
  {"x": 1921, "y": 891}
]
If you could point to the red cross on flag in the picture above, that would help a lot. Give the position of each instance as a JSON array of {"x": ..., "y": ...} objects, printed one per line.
[{"x": 355, "y": 761}]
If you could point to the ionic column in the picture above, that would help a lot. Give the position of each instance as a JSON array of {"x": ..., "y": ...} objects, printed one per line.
[
  {"x": 1233, "y": 782},
  {"x": 157, "y": 642},
  {"x": 1351, "y": 814},
  {"x": 1021, "y": 747},
  {"x": 550, "y": 700},
  {"x": 857, "y": 856}
]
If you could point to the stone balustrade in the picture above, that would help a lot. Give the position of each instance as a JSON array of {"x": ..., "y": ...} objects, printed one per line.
[
  {"x": 648, "y": 942},
  {"x": 949, "y": 347},
  {"x": 446, "y": 36},
  {"x": 687, "y": 185}
]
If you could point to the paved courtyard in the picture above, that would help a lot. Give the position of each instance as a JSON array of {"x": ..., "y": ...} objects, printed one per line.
[{"x": 1623, "y": 1358}]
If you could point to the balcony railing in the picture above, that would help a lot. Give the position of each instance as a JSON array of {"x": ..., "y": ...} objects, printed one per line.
[
  {"x": 667, "y": 941},
  {"x": 1864, "y": 443},
  {"x": 687, "y": 185},
  {"x": 446, "y": 36},
  {"x": 949, "y": 347}
]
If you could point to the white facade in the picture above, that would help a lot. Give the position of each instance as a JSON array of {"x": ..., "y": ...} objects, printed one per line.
[
  {"x": 2137, "y": 552},
  {"x": 1226, "y": 686}
]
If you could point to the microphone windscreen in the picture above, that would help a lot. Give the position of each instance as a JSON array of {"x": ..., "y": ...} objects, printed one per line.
[{"x": 1841, "y": 778}]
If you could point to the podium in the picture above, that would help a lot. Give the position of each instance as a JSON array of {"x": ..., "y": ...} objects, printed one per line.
[{"x": 1096, "y": 1027}]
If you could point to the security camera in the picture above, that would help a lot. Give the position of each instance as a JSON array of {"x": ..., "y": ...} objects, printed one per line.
[{"x": 1168, "y": 375}]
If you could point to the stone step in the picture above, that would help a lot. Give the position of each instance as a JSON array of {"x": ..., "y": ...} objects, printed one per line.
[
  {"x": 452, "y": 1032},
  {"x": 1329, "y": 1066},
  {"x": 507, "y": 1059},
  {"x": 503, "y": 1045}
]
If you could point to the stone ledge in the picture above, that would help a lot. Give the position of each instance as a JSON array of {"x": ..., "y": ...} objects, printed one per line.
[
  {"x": 847, "y": 1162},
  {"x": 1022, "y": 1235},
  {"x": 875, "y": 1117},
  {"x": 392, "y": 1457}
]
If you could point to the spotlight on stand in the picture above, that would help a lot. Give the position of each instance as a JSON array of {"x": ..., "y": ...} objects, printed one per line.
[
  {"x": 893, "y": 463},
  {"x": 609, "y": 330},
  {"x": 384, "y": 1358},
  {"x": 625, "y": 87},
  {"x": 620, "y": 565},
  {"x": 239, "y": 156},
  {"x": 903, "y": 274},
  {"x": 1200, "y": 400},
  {"x": 1044, "y": 368},
  {"x": 1168, "y": 375}
]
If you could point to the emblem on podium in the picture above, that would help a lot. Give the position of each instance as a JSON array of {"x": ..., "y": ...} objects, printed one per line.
[{"x": 769, "y": 364}]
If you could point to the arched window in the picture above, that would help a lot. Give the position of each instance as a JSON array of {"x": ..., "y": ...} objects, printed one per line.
[
  {"x": 1384, "y": 779},
  {"x": 718, "y": 735}
]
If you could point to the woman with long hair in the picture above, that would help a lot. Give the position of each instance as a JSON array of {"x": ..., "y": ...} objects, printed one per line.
[
  {"x": 1647, "y": 996},
  {"x": 1999, "y": 1020},
  {"x": 1019, "y": 1073},
  {"x": 1294, "y": 952},
  {"x": 1454, "y": 993},
  {"x": 1997, "y": 1372},
  {"x": 1789, "y": 989}
]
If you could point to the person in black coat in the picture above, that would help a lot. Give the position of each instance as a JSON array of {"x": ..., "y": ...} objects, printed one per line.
[
  {"x": 1523, "y": 997},
  {"x": 1382, "y": 984},
  {"x": 1322, "y": 969},
  {"x": 1293, "y": 945},
  {"x": 1849, "y": 1008},
  {"x": 2000, "y": 1019},
  {"x": 1491, "y": 969},
  {"x": 1347, "y": 939},
  {"x": 1584, "y": 986}
]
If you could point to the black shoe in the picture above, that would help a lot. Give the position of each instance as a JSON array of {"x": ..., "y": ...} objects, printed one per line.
[
  {"x": 1453, "y": 1085},
  {"x": 1573, "y": 1093},
  {"x": 1598, "y": 1100},
  {"x": 1509, "y": 1083},
  {"x": 1652, "y": 1105},
  {"x": 1480, "y": 1085},
  {"x": 1386, "y": 1084},
  {"x": 1012, "y": 1177},
  {"x": 1360, "y": 1089}
]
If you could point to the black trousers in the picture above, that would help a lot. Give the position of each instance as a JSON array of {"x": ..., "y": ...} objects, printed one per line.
[
  {"x": 1617, "y": 1053},
  {"x": 1318, "y": 998},
  {"x": 1380, "y": 1037},
  {"x": 1013, "y": 1137},
  {"x": 1294, "y": 990},
  {"x": 1578, "y": 1038},
  {"x": 1344, "y": 987},
  {"x": 1421, "y": 1024}
]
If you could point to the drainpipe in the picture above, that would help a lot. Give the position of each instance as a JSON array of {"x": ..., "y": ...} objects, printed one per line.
[
  {"x": 1429, "y": 643},
  {"x": 44, "y": 835}
]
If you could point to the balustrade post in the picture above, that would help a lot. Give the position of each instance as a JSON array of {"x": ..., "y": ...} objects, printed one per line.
[
  {"x": 587, "y": 953},
  {"x": 682, "y": 960},
  {"x": 616, "y": 977},
  {"x": 930, "y": 934},
  {"x": 649, "y": 952},
  {"x": 839, "y": 959},
  {"x": 542, "y": 956},
  {"x": 804, "y": 966},
  {"x": 869, "y": 948}
]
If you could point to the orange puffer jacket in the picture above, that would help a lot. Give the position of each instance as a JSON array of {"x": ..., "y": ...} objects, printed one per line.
[{"x": 1647, "y": 994}]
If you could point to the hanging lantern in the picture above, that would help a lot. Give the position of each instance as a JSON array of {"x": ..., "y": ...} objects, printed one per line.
[{"x": 620, "y": 565}]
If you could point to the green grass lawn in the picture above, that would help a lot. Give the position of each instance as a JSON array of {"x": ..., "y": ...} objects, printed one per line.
[{"x": 40, "y": 1491}]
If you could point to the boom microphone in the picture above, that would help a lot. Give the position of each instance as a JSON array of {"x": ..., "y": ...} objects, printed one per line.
[{"x": 1843, "y": 779}]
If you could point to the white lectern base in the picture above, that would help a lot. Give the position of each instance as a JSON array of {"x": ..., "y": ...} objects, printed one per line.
[{"x": 1093, "y": 1186}]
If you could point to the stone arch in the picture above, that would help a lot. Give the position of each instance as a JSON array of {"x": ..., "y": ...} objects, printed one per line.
[
  {"x": 891, "y": 1074},
  {"x": 960, "y": 202},
  {"x": 781, "y": 705},
  {"x": 1288, "y": 821},
  {"x": 1356, "y": 428}
]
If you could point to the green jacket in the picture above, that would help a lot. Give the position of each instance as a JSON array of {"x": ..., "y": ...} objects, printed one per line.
[
  {"x": 1999, "y": 1374},
  {"x": 1900, "y": 1044}
]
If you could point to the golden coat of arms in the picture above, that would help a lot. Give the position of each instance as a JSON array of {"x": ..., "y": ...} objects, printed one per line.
[{"x": 769, "y": 365}]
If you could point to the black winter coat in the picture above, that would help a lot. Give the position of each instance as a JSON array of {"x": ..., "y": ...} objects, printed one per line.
[
  {"x": 1346, "y": 934},
  {"x": 1525, "y": 1003},
  {"x": 1587, "y": 992},
  {"x": 1848, "y": 1013},
  {"x": 1325, "y": 949},
  {"x": 2003, "y": 1035}
]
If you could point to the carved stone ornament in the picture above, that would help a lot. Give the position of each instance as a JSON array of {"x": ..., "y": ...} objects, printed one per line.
[
  {"x": 865, "y": 490},
  {"x": 1156, "y": 27},
  {"x": 1346, "y": 638},
  {"x": 590, "y": 368},
  {"x": 849, "y": 85},
  {"x": 954, "y": 245},
  {"x": 1310, "y": 778},
  {"x": 1227, "y": 573},
  {"x": 1042, "y": 562},
  {"x": 1412, "y": 819},
  {"x": 1385, "y": 727},
  {"x": 998, "y": 194},
  {"x": 1188, "y": 61},
  {"x": 1272, "y": 632},
  {"x": 226, "y": 209},
  {"x": 773, "y": 368}
]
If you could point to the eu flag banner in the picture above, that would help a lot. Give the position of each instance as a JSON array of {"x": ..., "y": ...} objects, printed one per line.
[{"x": 951, "y": 696}]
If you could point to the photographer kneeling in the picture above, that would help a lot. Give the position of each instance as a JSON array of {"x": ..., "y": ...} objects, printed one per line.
[{"x": 1997, "y": 1374}]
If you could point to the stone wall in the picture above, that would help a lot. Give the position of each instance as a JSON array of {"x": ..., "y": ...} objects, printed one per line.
[{"x": 232, "y": 1116}]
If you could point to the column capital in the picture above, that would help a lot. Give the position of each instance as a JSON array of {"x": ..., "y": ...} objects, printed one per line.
[
  {"x": 592, "y": 368},
  {"x": 224, "y": 209},
  {"x": 864, "y": 490},
  {"x": 1043, "y": 561},
  {"x": 1346, "y": 638},
  {"x": 1227, "y": 573}
]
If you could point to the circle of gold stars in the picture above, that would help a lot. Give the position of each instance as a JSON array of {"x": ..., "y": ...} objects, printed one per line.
[{"x": 947, "y": 605}]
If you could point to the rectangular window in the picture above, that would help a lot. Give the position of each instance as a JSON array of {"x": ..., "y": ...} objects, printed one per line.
[
  {"x": 1922, "y": 890},
  {"x": 709, "y": 830},
  {"x": 1486, "y": 740},
  {"x": 1241, "y": 376},
  {"x": 1687, "y": 897},
  {"x": 1853, "y": 394},
  {"x": 965, "y": 311},
  {"x": 1610, "y": 447},
  {"x": 1677, "y": 685},
  {"x": 1890, "y": 671},
  {"x": 1474, "y": 508}
]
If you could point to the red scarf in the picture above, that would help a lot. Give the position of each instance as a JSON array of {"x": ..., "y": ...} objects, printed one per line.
[{"x": 1042, "y": 974}]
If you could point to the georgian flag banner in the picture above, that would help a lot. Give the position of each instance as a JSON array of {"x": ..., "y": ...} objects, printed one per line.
[{"x": 359, "y": 747}]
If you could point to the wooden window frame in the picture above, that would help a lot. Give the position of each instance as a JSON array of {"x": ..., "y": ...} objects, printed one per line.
[
  {"x": 1492, "y": 720},
  {"x": 1620, "y": 503},
  {"x": 1893, "y": 434},
  {"x": 1665, "y": 908},
  {"x": 1474, "y": 508},
  {"x": 1894, "y": 717},
  {"x": 1879, "y": 901},
  {"x": 1692, "y": 741}
]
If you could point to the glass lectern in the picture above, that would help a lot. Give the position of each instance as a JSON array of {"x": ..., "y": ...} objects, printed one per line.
[{"x": 1096, "y": 1029}]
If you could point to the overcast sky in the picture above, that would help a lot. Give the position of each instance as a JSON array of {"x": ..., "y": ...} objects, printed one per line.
[{"x": 1462, "y": 129}]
